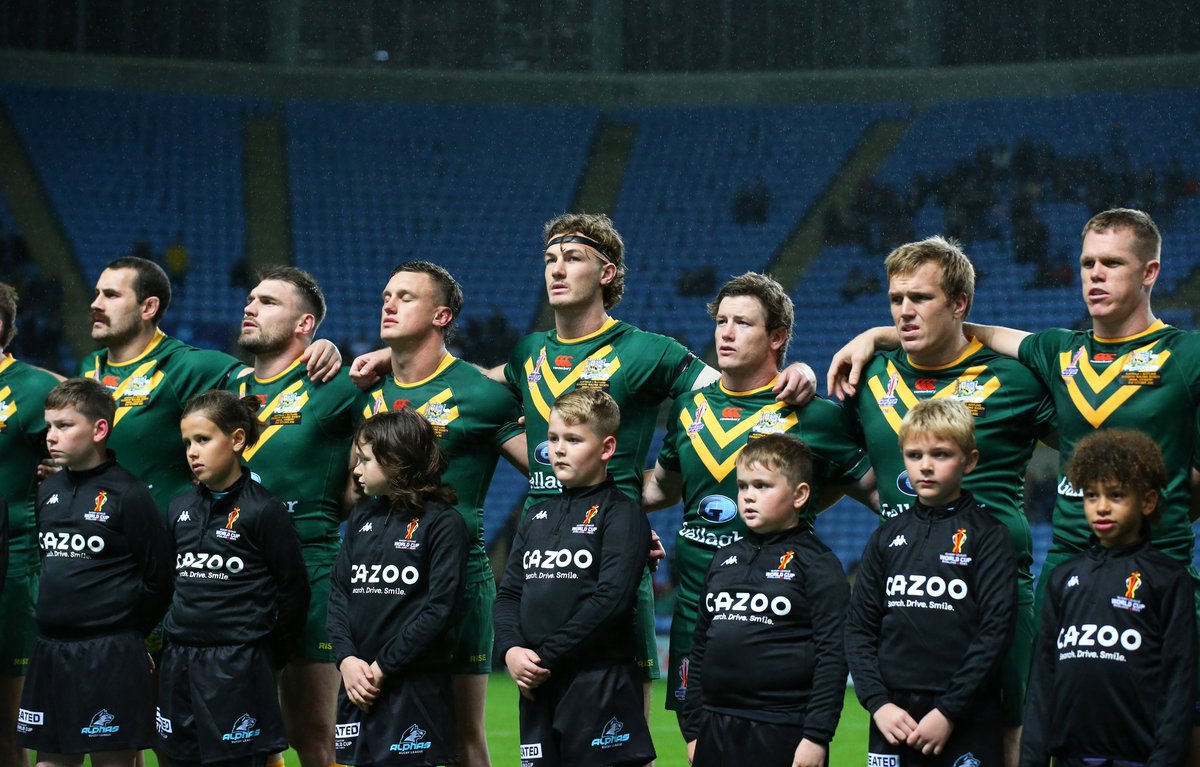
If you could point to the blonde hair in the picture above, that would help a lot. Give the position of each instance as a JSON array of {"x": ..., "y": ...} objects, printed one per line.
[
  {"x": 958, "y": 275},
  {"x": 945, "y": 418},
  {"x": 592, "y": 407},
  {"x": 783, "y": 453}
]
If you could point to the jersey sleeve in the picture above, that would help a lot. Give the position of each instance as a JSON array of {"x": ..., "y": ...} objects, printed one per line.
[
  {"x": 1039, "y": 352},
  {"x": 864, "y": 621},
  {"x": 1172, "y": 731},
  {"x": 448, "y": 546},
  {"x": 829, "y": 431},
  {"x": 281, "y": 551},
  {"x": 344, "y": 405},
  {"x": 146, "y": 533},
  {"x": 506, "y": 611},
  {"x": 337, "y": 616},
  {"x": 498, "y": 411},
  {"x": 514, "y": 370},
  {"x": 829, "y": 595},
  {"x": 671, "y": 368},
  {"x": 996, "y": 585},
  {"x": 668, "y": 455},
  {"x": 1039, "y": 699}
]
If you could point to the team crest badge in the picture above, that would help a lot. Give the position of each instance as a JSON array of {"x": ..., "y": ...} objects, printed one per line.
[
  {"x": 1128, "y": 599},
  {"x": 228, "y": 533},
  {"x": 1141, "y": 369},
  {"x": 889, "y": 399},
  {"x": 956, "y": 556},
  {"x": 1072, "y": 370},
  {"x": 407, "y": 543},
  {"x": 596, "y": 370},
  {"x": 587, "y": 527},
  {"x": 97, "y": 513},
  {"x": 966, "y": 389},
  {"x": 783, "y": 572},
  {"x": 437, "y": 414},
  {"x": 698, "y": 419},
  {"x": 768, "y": 423}
]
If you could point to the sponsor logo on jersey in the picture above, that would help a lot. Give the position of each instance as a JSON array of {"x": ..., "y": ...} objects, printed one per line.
[
  {"x": 52, "y": 499},
  {"x": 697, "y": 424},
  {"x": 756, "y": 602},
  {"x": 709, "y": 538},
  {"x": 1078, "y": 639},
  {"x": 541, "y": 515},
  {"x": 531, "y": 750},
  {"x": 564, "y": 361},
  {"x": 535, "y": 375},
  {"x": 967, "y": 760},
  {"x": 407, "y": 543},
  {"x": 65, "y": 544},
  {"x": 681, "y": 691},
  {"x": 97, "y": 514},
  {"x": 110, "y": 381},
  {"x": 1065, "y": 488},
  {"x": 883, "y": 760},
  {"x": 551, "y": 559},
  {"x": 1103, "y": 358},
  {"x": 717, "y": 509},
  {"x": 366, "y": 528},
  {"x": 161, "y": 723},
  {"x": 586, "y": 527},
  {"x": 27, "y": 720},
  {"x": 1128, "y": 600},
  {"x": 541, "y": 453},
  {"x": 731, "y": 561},
  {"x": 185, "y": 515},
  {"x": 101, "y": 725},
  {"x": 731, "y": 414},
  {"x": 925, "y": 385},
  {"x": 611, "y": 735},
  {"x": 413, "y": 739},
  {"x": 783, "y": 572},
  {"x": 244, "y": 728},
  {"x": 401, "y": 404},
  {"x": 1073, "y": 581},
  {"x": 227, "y": 533},
  {"x": 899, "y": 540},
  {"x": 1072, "y": 370},
  {"x": 889, "y": 399},
  {"x": 201, "y": 564},
  {"x": 935, "y": 586},
  {"x": 904, "y": 484},
  {"x": 955, "y": 555}
]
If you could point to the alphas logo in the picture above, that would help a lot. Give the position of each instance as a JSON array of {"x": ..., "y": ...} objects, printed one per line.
[
  {"x": 587, "y": 527},
  {"x": 407, "y": 543},
  {"x": 783, "y": 572},
  {"x": 101, "y": 725},
  {"x": 97, "y": 513},
  {"x": 956, "y": 556},
  {"x": 227, "y": 533},
  {"x": 681, "y": 692},
  {"x": 243, "y": 729},
  {"x": 611, "y": 735},
  {"x": 412, "y": 740},
  {"x": 1128, "y": 600}
]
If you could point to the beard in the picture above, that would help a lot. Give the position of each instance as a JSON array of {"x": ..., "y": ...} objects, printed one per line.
[{"x": 263, "y": 341}]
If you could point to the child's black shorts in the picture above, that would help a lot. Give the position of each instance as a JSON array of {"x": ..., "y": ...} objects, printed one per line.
[
  {"x": 734, "y": 741},
  {"x": 977, "y": 738},
  {"x": 216, "y": 704},
  {"x": 411, "y": 723},
  {"x": 87, "y": 696},
  {"x": 587, "y": 718}
]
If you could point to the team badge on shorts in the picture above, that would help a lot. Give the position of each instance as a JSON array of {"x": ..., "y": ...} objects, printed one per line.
[
  {"x": 967, "y": 760},
  {"x": 612, "y": 735},
  {"x": 412, "y": 740},
  {"x": 245, "y": 728}
]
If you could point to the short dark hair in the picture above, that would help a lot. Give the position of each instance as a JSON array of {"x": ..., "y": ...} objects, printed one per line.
[
  {"x": 228, "y": 411},
  {"x": 8, "y": 314},
  {"x": 1147, "y": 242},
  {"x": 305, "y": 284},
  {"x": 451, "y": 291},
  {"x": 778, "y": 310},
  {"x": 149, "y": 281},
  {"x": 1126, "y": 457},
  {"x": 597, "y": 227},
  {"x": 783, "y": 453},
  {"x": 406, "y": 448},
  {"x": 87, "y": 395}
]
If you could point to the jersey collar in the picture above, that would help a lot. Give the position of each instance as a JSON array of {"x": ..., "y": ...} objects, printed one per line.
[
  {"x": 750, "y": 392},
  {"x": 972, "y": 347},
  {"x": 7, "y": 362},
  {"x": 154, "y": 342},
  {"x": 278, "y": 375},
  {"x": 446, "y": 362},
  {"x": 1155, "y": 326},
  {"x": 606, "y": 326}
]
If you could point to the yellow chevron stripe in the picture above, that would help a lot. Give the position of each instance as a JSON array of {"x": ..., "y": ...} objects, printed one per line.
[
  {"x": 437, "y": 399},
  {"x": 10, "y": 407},
  {"x": 712, "y": 422},
  {"x": 265, "y": 414},
  {"x": 138, "y": 372},
  {"x": 557, "y": 387},
  {"x": 880, "y": 391},
  {"x": 721, "y": 469},
  {"x": 1096, "y": 416}
]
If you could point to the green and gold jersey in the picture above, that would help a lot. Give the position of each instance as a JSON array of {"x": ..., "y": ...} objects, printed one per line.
[
  {"x": 1151, "y": 382},
  {"x": 706, "y": 432},
  {"x": 151, "y": 390},
  {"x": 302, "y": 456},
  {"x": 473, "y": 416},
  {"x": 23, "y": 390},
  {"x": 638, "y": 369},
  {"x": 1011, "y": 408}
]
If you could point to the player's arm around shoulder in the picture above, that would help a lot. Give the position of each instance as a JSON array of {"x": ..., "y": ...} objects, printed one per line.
[{"x": 828, "y": 595}]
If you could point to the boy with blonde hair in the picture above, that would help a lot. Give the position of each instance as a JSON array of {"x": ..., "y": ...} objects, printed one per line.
[{"x": 932, "y": 611}]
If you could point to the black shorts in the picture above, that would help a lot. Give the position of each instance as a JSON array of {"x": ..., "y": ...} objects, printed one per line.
[
  {"x": 217, "y": 704},
  {"x": 587, "y": 718},
  {"x": 411, "y": 723},
  {"x": 87, "y": 696},
  {"x": 977, "y": 738},
  {"x": 734, "y": 741}
]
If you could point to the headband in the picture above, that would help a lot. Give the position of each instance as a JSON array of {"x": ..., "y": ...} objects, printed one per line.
[{"x": 563, "y": 239}]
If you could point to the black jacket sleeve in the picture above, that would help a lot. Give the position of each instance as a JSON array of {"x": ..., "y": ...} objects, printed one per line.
[
  {"x": 1039, "y": 698},
  {"x": 281, "y": 552},
  {"x": 828, "y": 595},
  {"x": 3, "y": 540},
  {"x": 337, "y": 617},
  {"x": 506, "y": 612},
  {"x": 997, "y": 599},
  {"x": 622, "y": 560},
  {"x": 447, "y": 572},
  {"x": 693, "y": 704},
  {"x": 1172, "y": 731},
  {"x": 146, "y": 532},
  {"x": 864, "y": 621}
]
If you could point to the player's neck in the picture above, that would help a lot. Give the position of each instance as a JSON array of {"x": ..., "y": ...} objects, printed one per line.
[
  {"x": 90, "y": 460},
  {"x": 270, "y": 364},
  {"x": 942, "y": 354},
  {"x": 124, "y": 351},
  {"x": 748, "y": 380},
  {"x": 416, "y": 362},
  {"x": 577, "y": 322},
  {"x": 1132, "y": 324}
]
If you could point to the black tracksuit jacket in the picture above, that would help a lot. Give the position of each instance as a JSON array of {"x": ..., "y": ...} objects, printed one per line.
[
  {"x": 397, "y": 586},
  {"x": 768, "y": 642},
  {"x": 239, "y": 574},
  {"x": 106, "y": 558},
  {"x": 1114, "y": 671},
  {"x": 933, "y": 607},
  {"x": 570, "y": 584}
]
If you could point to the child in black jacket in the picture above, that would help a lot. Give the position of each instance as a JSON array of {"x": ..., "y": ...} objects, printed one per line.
[
  {"x": 397, "y": 585},
  {"x": 1114, "y": 672}
]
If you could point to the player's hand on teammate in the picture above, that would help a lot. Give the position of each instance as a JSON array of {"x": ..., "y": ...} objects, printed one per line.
[
  {"x": 845, "y": 369},
  {"x": 797, "y": 384},
  {"x": 894, "y": 723},
  {"x": 809, "y": 754},
  {"x": 322, "y": 359},
  {"x": 691, "y": 748},
  {"x": 657, "y": 552},
  {"x": 46, "y": 468},
  {"x": 931, "y": 734},
  {"x": 360, "y": 681},
  {"x": 523, "y": 666},
  {"x": 367, "y": 369}
]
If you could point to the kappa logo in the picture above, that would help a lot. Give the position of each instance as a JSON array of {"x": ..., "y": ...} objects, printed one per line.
[
  {"x": 611, "y": 735},
  {"x": 101, "y": 725},
  {"x": 366, "y": 528},
  {"x": 541, "y": 515},
  {"x": 1073, "y": 581},
  {"x": 731, "y": 561},
  {"x": 52, "y": 499},
  {"x": 186, "y": 516},
  {"x": 243, "y": 729},
  {"x": 899, "y": 540}
]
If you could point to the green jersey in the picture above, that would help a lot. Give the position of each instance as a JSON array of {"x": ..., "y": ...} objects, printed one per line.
[
  {"x": 1011, "y": 408},
  {"x": 151, "y": 390},
  {"x": 707, "y": 431},
  {"x": 638, "y": 369},
  {"x": 473, "y": 416},
  {"x": 1149, "y": 381},
  {"x": 23, "y": 390},
  {"x": 302, "y": 456}
]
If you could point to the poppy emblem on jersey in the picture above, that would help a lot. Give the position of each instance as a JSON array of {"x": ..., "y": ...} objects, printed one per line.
[
  {"x": 956, "y": 556},
  {"x": 97, "y": 513},
  {"x": 227, "y": 533},
  {"x": 586, "y": 527},
  {"x": 783, "y": 573},
  {"x": 407, "y": 543},
  {"x": 1128, "y": 600},
  {"x": 681, "y": 691},
  {"x": 889, "y": 399},
  {"x": 717, "y": 509},
  {"x": 1072, "y": 370},
  {"x": 697, "y": 425}
]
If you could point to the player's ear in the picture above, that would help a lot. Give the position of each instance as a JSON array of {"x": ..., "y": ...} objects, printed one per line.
[
  {"x": 1149, "y": 502},
  {"x": 608, "y": 273},
  {"x": 100, "y": 430},
  {"x": 306, "y": 326},
  {"x": 237, "y": 440},
  {"x": 149, "y": 308},
  {"x": 800, "y": 494},
  {"x": 1150, "y": 272},
  {"x": 442, "y": 317},
  {"x": 972, "y": 462},
  {"x": 959, "y": 306},
  {"x": 608, "y": 446}
]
